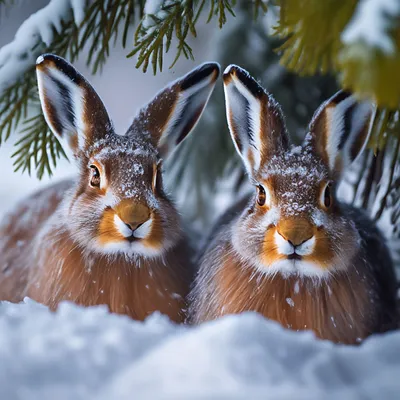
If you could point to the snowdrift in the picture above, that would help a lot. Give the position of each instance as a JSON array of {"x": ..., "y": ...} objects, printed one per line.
[{"x": 80, "y": 353}]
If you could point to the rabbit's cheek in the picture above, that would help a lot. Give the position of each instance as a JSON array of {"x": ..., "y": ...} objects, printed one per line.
[
  {"x": 307, "y": 248},
  {"x": 144, "y": 230},
  {"x": 154, "y": 238},
  {"x": 108, "y": 231},
  {"x": 270, "y": 251},
  {"x": 323, "y": 254}
]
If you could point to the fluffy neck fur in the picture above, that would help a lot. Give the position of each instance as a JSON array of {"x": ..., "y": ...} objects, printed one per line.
[
  {"x": 339, "y": 308},
  {"x": 127, "y": 286}
]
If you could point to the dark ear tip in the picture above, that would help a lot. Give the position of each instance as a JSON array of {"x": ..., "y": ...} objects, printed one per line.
[
  {"x": 340, "y": 96},
  {"x": 232, "y": 70},
  {"x": 235, "y": 72},
  {"x": 47, "y": 58},
  {"x": 204, "y": 71},
  {"x": 51, "y": 60},
  {"x": 211, "y": 68}
]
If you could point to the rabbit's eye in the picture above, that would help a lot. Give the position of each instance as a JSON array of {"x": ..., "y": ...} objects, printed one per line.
[
  {"x": 261, "y": 195},
  {"x": 157, "y": 177},
  {"x": 327, "y": 196},
  {"x": 95, "y": 176}
]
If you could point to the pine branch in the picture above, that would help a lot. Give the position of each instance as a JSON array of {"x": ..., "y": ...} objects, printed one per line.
[
  {"x": 177, "y": 20},
  {"x": 155, "y": 33},
  {"x": 102, "y": 24},
  {"x": 13, "y": 106},
  {"x": 260, "y": 5},
  {"x": 35, "y": 146},
  {"x": 67, "y": 34}
]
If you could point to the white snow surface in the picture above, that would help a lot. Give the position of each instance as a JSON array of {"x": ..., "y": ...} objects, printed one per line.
[
  {"x": 80, "y": 353},
  {"x": 370, "y": 24}
]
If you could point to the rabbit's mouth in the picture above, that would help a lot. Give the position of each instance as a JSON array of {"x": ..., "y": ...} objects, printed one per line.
[
  {"x": 294, "y": 256},
  {"x": 132, "y": 239}
]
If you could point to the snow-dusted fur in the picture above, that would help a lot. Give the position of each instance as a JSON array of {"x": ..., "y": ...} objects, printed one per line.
[
  {"x": 113, "y": 236},
  {"x": 292, "y": 252}
]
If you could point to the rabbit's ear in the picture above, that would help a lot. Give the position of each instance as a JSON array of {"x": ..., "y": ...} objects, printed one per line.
[
  {"x": 175, "y": 110},
  {"x": 72, "y": 108},
  {"x": 340, "y": 129},
  {"x": 255, "y": 119}
]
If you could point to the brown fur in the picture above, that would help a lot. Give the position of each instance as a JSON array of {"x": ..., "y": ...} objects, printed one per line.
[
  {"x": 337, "y": 310},
  {"x": 13, "y": 268},
  {"x": 333, "y": 310},
  {"x": 345, "y": 307},
  {"x": 108, "y": 233},
  {"x": 125, "y": 287},
  {"x": 134, "y": 289}
]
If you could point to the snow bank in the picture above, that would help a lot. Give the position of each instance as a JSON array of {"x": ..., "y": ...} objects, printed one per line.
[{"x": 89, "y": 354}]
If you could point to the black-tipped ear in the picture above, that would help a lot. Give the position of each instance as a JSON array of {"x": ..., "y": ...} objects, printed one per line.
[
  {"x": 255, "y": 119},
  {"x": 72, "y": 108},
  {"x": 175, "y": 110},
  {"x": 340, "y": 130}
]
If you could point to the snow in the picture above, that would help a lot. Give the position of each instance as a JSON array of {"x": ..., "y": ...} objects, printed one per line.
[
  {"x": 20, "y": 55},
  {"x": 290, "y": 301},
  {"x": 90, "y": 354},
  {"x": 371, "y": 23},
  {"x": 154, "y": 7},
  {"x": 78, "y": 7},
  {"x": 39, "y": 60}
]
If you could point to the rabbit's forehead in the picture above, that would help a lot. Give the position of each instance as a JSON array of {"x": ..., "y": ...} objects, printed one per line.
[
  {"x": 131, "y": 178},
  {"x": 298, "y": 163},
  {"x": 112, "y": 146},
  {"x": 128, "y": 164},
  {"x": 129, "y": 171},
  {"x": 295, "y": 177}
]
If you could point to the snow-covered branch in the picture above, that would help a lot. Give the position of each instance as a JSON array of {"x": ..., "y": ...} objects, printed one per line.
[{"x": 35, "y": 33}]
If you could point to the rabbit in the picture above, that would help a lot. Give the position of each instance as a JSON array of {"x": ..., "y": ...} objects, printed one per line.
[
  {"x": 111, "y": 237},
  {"x": 292, "y": 252}
]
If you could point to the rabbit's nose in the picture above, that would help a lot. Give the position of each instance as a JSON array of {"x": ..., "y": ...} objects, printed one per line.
[
  {"x": 295, "y": 232},
  {"x": 133, "y": 215},
  {"x": 298, "y": 244},
  {"x": 134, "y": 225}
]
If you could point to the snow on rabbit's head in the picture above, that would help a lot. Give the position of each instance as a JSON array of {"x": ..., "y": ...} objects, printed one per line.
[
  {"x": 294, "y": 224},
  {"x": 119, "y": 205}
]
